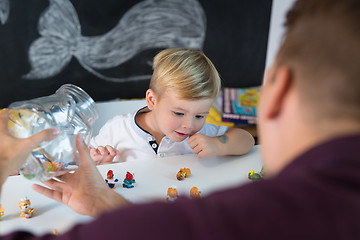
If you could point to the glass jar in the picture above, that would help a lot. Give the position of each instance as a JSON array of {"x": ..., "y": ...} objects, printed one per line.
[{"x": 72, "y": 111}]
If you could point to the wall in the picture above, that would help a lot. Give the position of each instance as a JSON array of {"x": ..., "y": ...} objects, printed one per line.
[
  {"x": 278, "y": 14},
  {"x": 106, "y": 47}
]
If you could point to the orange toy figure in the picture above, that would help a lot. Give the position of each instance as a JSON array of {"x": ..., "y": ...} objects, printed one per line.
[
  {"x": 195, "y": 193},
  {"x": 26, "y": 210},
  {"x": 1, "y": 212},
  {"x": 172, "y": 194},
  {"x": 183, "y": 173}
]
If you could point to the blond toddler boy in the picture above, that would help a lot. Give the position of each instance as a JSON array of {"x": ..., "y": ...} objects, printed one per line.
[{"x": 182, "y": 89}]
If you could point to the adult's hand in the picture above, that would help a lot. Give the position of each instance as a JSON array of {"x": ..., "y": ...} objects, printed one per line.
[
  {"x": 13, "y": 150},
  {"x": 84, "y": 191}
]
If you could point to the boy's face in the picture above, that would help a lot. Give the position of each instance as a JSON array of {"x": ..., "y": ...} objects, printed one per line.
[{"x": 178, "y": 118}]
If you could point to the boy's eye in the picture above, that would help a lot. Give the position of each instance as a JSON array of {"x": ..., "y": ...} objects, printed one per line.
[
  {"x": 199, "y": 116},
  {"x": 178, "y": 113}
]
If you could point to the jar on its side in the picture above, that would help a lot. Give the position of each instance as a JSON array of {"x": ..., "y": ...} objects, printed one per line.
[{"x": 72, "y": 111}]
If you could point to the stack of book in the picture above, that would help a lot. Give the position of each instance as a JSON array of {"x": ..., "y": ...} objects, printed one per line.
[{"x": 239, "y": 105}]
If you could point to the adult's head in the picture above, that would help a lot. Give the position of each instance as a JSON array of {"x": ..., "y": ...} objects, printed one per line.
[{"x": 312, "y": 90}]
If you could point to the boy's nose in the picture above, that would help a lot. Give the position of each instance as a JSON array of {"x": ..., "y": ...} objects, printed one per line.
[{"x": 187, "y": 123}]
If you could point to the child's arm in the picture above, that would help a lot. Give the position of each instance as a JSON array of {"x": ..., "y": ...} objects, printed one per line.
[
  {"x": 235, "y": 141},
  {"x": 103, "y": 155}
]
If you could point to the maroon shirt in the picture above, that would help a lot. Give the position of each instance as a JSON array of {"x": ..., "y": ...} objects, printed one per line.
[{"x": 317, "y": 196}]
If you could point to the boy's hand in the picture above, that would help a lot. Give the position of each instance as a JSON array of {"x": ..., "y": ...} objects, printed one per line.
[
  {"x": 204, "y": 146},
  {"x": 103, "y": 155}
]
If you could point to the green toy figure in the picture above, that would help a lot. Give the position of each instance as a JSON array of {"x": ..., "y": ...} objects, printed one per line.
[
  {"x": 129, "y": 180},
  {"x": 256, "y": 176},
  {"x": 1, "y": 212}
]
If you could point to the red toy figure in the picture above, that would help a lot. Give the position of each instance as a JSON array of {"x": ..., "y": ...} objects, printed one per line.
[
  {"x": 129, "y": 180},
  {"x": 26, "y": 210},
  {"x": 110, "y": 179}
]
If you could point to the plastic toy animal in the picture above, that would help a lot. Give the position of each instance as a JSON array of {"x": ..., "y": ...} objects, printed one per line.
[
  {"x": 256, "y": 176},
  {"x": 1, "y": 212},
  {"x": 129, "y": 180},
  {"x": 172, "y": 194},
  {"x": 110, "y": 179},
  {"x": 183, "y": 173},
  {"x": 195, "y": 193},
  {"x": 26, "y": 210}
]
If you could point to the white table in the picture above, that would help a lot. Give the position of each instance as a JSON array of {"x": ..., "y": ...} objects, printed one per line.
[{"x": 153, "y": 178}]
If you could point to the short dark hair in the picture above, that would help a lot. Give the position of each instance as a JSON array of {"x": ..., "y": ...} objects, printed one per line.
[{"x": 321, "y": 45}]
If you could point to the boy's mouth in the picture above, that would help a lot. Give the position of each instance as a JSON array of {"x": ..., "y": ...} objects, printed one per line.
[{"x": 181, "y": 134}]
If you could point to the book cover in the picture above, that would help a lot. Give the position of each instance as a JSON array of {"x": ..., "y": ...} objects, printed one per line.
[{"x": 239, "y": 105}]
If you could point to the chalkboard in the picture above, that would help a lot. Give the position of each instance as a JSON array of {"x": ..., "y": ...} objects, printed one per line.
[{"x": 106, "y": 47}]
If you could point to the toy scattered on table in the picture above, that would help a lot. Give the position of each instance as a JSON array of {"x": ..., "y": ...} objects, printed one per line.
[
  {"x": 129, "y": 180},
  {"x": 183, "y": 173},
  {"x": 55, "y": 232},
  {"x": 110, "y": 179},
  {"x": 195, "y": 193},
  {"x": 172, "y": 194},
  {"x": 26, "y": 210},
  {"x": 1, "y": 212},
  {"x": 256, "y": 176}
]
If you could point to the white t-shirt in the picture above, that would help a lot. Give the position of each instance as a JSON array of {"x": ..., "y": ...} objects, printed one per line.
[{"x": 122, "y": 133}]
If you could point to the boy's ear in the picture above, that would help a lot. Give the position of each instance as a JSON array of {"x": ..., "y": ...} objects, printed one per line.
[
  {"x": 150, "y": 99},
  {"x": 280, "y": 88}
]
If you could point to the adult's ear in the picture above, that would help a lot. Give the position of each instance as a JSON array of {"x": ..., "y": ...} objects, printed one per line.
[
  {"x": 279, "y": 87},
  {"x": 150, "y": 99}
]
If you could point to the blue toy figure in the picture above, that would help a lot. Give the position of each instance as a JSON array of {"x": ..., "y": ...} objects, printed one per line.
[{"x": 110, "y": 179}]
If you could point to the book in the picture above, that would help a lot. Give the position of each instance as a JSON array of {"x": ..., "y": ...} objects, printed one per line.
[{"x": 239, "y": 105}]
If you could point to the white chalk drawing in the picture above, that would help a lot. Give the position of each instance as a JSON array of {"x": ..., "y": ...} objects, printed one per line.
[
  {"x": 147, "y": 25},
  {"x": 4, "y": 11}
]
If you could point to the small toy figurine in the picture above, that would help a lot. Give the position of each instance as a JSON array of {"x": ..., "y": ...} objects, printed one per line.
[
  {"x": 129, "y": 180},
  {"x": 172, "y": 194},
  {"x": 1, "y": 212},
  {"x": 183, "y": 173},
  {"x": 195, "y": 193},
  {"x": 110, "y": 179},
  {"x": 26, "y": 210},
  {"x": 55, "y": 232},
  {"x": 256, "y": 176}
]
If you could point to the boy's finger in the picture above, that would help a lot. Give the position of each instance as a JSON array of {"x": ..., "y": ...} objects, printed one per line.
[
  {"x": 101, "y": 150},
  {"x": 110, "y": 150},
  {"x": 117, "y": 153}
]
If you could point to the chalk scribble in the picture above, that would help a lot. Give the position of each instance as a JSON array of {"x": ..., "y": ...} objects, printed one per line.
[
  {"x": 4, "y": 11},
  {"x": 147, "y": 25}
]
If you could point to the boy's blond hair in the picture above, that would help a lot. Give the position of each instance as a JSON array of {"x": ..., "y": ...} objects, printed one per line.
[{"x": 188, "y": 72}]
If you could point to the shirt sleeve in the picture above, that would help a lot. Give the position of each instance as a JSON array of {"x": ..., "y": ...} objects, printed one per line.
[
  {"x": 109, "y": 132},
  {"x": 212, "y": 130}
]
